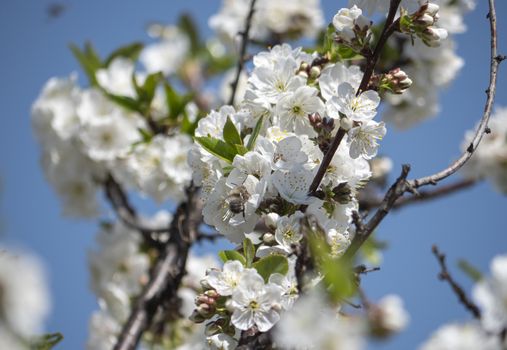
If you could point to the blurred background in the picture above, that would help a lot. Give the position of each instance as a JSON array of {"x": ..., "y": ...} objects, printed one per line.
[{"x": 34, "y": 37}]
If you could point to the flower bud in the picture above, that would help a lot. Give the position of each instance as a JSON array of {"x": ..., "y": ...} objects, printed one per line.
[
  {"x": 396, "y": 81},
  {"x": 271, "y": 219},
  {"x": 346, "y": 123},
  {"x": 268, "y": 238},
  {"x": 433, "y": 36},
  {"x": 314, "y": 72}
]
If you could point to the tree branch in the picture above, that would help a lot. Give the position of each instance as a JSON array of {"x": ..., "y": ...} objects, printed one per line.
[
  {"x": 422, "y": 196},
  {"x": 402, "y": 185},
  {"x": 483, "y": 126},
  {"x": 444, "y": 275},
  {"x": 242, "y": 52},
  {"x": 388, "y": 29},
  {"x": 370, "y": 65},
  {"x": 165, "y": 277},
  {"x": 126, "y": 213}
]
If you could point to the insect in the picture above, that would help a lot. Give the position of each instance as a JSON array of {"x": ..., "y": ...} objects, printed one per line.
[{"x": 236, "y": 200}]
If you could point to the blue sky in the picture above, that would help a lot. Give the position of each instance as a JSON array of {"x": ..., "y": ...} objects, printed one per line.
[{"x": 471, "y": 224}]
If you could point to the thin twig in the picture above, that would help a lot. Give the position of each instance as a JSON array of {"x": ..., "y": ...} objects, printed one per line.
[
  {"x": 388, "y": 29},
  {"x": 370, "y": 65},
  {"x": 402, "y": 184},
  {"x": 126, "y": 213},
  {"x": 483, "y": 126},
  {"x": 444, "y": 275},
  {"x": 165, "y": 277},
  {"x": 242, "y": 52},
  {"x": 422, "y": 196}
]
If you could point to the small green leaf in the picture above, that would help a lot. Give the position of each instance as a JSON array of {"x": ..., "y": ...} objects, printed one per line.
[
  {"x": 271, "y": 264},
  {"x": 255, "y": 133},
  {"x": 146, "y": 92},
  {"x": 146, "y": 134},
  {"x": 88, "y": 60},
  {"x": 130, "y": 51},
  {"x": 126, "y": 102},
  {"x": 240, "y": 149},
  {"x": 46, "y": 342},
  {"x": 471, "y": 271},
  {"x": 248, "y": 251},
  {"x": 231, "y": 134},
  {"x": 337, "y": 278},
  {"x": 218, "y": 148},
  {"x": 346, "y": 53},
  {"x": 226, "y": 255}
]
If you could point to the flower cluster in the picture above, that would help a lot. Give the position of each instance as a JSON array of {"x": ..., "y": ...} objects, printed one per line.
[
  {"x": 490, "y": 160},
  {"x": 85, "y": 136},
  {"x": 258, "y": 162}
]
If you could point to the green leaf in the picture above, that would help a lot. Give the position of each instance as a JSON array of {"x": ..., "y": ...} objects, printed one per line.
[
  {"x": 130, "y": 51},
  {"x": 248, "y": 251},
  {"x": 175, "y": 102},
  {"x": 218, "y": 148},
  {"x": 226, "y": 255},
  {"x": 89, "y": 61},
  {"x": 126, "y": 102},
  {"x": 346, "y": 53},
  {"x": 240, "y": 149},
  {"x": 271, "y": 264},
  {"x": 255, "y": 133},
  {"x": 146, "y": 93},
  {"x": 337, "y": 278},
  {"x": 231, "y": 134},
  {"x": 46, "y": 342},
  {"x": 187, "y": 126},
  {"x": 471, "y": 271},
  {"x": 187, "y": 25}
]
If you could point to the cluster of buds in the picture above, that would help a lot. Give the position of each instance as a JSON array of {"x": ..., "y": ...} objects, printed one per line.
[
  {"x": 352, "y": 28},
  {"x": 205, "y": 306},
  {"x": 422, "y": 23},
  {"x": 395, "y": 81},
  {"x": 312, "y": 70},
  {"x": 324, "y": 128}
]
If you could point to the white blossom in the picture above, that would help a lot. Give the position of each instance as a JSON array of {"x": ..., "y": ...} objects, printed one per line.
[
  {"x": 255, "y": 303},
  {"x": 358, "y": 108},
  {"x": 363, "y": 139}
]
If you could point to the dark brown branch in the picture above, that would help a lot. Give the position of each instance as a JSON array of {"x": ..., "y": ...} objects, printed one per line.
[
  {"x": 444, "y": 275},
  {"x": 370, "y": 65},
  {"x": 483, "y": 126},
  {"x": 328, "y": 157},
  {"x": 388, "y": 29},
  {"x": 165, "y": 277},
  {"x": 242, "y": 52},
  {"x": 126, "y": 213}
]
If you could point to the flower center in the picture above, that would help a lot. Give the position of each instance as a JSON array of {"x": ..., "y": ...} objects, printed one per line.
[{"x": 253, "y": 305}]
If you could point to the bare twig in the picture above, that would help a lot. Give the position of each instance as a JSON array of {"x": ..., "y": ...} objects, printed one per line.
[
  {"x": 444, "y": 275},
  {"x": 242, "y": 52},
  {"x": 165, "y": 277},
  {"x": 422, "y": 196},
  {"x": 126, "y": 213},
  {"x": 483, "y": 126},
  {"x": 402, "y": 185}
]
